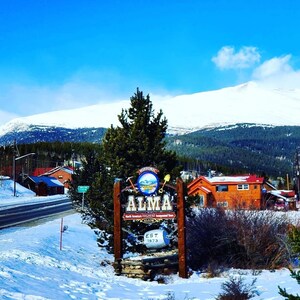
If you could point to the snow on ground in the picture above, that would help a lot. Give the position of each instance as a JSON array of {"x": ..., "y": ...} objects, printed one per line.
[
  {"x": 32, "y": 267},
  {"x": 7, "y": 189},
  {"x": 23, "y": 195}
]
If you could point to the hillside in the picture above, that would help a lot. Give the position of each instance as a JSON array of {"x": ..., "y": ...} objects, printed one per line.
[
  {"x": 246, "y": 147},
  {"x": 246, "y": 103},
  {"x": 37, "y": 133},
  {"x": 216, "y": 128}
]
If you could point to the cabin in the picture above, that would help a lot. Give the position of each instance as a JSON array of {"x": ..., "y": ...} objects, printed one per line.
[
  {"x": 280, "y": 200},
  {"x": 229, "y": 192},
  {"x": 44, "y": 185},
  {"x": 61, "y": 173}
]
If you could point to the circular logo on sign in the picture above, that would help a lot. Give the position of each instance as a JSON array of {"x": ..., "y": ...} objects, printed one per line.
[{"x": 148, "y": 183}]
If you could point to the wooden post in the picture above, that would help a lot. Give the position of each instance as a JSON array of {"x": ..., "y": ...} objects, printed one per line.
[
  {"x": 117, "y": 221},
  {"x": 61, "y": 233},
  {"x": 181, "y": 230}
]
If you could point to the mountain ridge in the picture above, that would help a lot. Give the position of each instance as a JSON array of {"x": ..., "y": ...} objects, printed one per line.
[
  {"x": 245, "y": 103},
  {"x": 237, "y": 127}
]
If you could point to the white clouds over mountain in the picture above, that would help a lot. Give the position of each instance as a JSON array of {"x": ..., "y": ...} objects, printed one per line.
[
  {"x": 86, "y": 88},
  {"x": 276, "y": 72},
  {"x": 229, "y": 58},
  {"x": 6, "y": 116},
  {"x": 274, "y": 66}
]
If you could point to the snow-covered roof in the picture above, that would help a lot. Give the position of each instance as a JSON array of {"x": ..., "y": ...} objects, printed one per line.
[
  {"x": 204, "y": 189},
  {"x": 235, "y": 179},
  {"x": 286, "y": 195},
  {"x": 50, "y": 181},
  {"x": 63, "y": 168}
]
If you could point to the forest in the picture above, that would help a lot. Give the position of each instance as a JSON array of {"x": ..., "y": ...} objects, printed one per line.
[{"x": 240, "y": 148}]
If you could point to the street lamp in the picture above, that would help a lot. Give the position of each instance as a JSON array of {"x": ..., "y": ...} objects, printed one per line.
[{"x": 14, "y": 167}]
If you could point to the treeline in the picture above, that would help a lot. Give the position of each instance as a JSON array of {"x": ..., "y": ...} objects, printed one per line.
[
  {"x": 229, "y": 150},
  {"x": 245, "y": 147},
  {"x": 47, "y": 155}
]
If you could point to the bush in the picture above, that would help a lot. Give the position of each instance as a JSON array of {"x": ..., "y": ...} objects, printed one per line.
[
  {"x": 294, "y": 239},
  {"x": 240, "y": 239},
  {"x": 237, "y": 289},
  {"x": 206, "y": 242}
]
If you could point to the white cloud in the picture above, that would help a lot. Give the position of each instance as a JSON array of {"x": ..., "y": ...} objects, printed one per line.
[
  {"x": 228, "y": 58},
  {"x": 21, "y": 99},
  {"x": 6, "y": 116},
  {"x": 278, "y": 73},
  {"x": 273, "y": 67}
]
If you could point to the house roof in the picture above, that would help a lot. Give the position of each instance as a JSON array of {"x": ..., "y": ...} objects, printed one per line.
[
  {"x": 217, "y": 180},
  {"x": 200, "y": 188},
  {"x": 283, "y": 194},
  {"x": 59, "y": 168},
  {"x": 50, "y": 181},
  {"x": 235, "y": 179},
  {"x": 40, "y": 171}
]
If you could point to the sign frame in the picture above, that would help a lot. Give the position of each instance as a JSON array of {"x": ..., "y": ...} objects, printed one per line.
[{"x": 180, "y": 215}]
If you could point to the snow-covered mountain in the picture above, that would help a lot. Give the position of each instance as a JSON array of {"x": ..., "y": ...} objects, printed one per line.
[{"x": 246, "y": 103}]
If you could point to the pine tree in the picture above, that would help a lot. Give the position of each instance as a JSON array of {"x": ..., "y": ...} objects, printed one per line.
[
  {"x": 284, "y": 293},
  {"x": 138, "y": 142}
]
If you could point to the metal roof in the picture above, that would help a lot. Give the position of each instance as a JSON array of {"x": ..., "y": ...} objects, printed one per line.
[{"x": 50, "y": 181}]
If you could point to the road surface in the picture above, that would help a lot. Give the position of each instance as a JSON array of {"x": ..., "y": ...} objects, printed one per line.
[{"x": 25, "y": 212}]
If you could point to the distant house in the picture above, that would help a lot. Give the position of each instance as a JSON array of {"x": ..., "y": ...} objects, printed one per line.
[
  {"x": 280, "y": 200},
  {"x": 40, "y": 171},
  {"x": 229, "y": 191},
  {"x": 61, "y": 173},
  {"x": 44, "y": 185}
]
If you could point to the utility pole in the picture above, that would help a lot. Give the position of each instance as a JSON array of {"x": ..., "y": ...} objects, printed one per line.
[
  {"x": 14, "y": 165},
  {"x": 297, "y": 171},
  {"x": 16, "y": 156}
]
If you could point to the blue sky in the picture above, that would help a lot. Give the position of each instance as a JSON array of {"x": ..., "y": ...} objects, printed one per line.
[{"x": 60, "y": 54}]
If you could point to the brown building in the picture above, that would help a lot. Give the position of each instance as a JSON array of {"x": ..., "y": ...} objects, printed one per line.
[
  {"x": 61, "y": 173},
  {"x": 44, "y": 185},
  {"x": 230, "y": 192}
]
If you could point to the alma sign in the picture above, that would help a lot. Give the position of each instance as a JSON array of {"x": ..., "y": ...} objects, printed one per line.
[
  {"x": 147, "y": 202},
  {"x": 148, "y": 205}
]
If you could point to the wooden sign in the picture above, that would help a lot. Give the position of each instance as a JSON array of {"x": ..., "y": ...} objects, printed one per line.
[{"x": 148, "y": 202}]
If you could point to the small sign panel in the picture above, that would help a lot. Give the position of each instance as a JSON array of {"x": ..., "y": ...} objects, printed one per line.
[
  {"x": 148, "y": 183},
  {"x": 83, "y": 188}
]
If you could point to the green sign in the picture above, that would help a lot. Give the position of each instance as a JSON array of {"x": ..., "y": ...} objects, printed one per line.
[{"x": 83, "y": 188}]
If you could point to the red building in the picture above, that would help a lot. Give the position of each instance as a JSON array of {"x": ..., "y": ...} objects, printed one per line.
[{"x": 229, "y": 191}]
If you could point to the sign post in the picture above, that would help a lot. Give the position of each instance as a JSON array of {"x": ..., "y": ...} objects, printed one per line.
[
  {"x": 82, "y": 189},
  {"x": 148, "y": 203},
  {"x": 117, "y": 222},
  {"x": 181, "y": 230}
]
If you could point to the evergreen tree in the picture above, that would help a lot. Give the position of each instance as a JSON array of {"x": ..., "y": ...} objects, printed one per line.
[
  {"x": 284, "y": 293},
  {"x": 138, "y": 142}
]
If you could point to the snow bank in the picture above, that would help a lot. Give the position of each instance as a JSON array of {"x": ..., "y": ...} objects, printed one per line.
[{"x": 34, "y": 267}]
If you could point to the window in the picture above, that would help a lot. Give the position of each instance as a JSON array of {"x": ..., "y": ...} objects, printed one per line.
[
  {"x": 243, "y": 187},
  {"x": 201, "y": 200},
  {"x": 222, "y": 204},
  {"x": 222, "y": 188}
]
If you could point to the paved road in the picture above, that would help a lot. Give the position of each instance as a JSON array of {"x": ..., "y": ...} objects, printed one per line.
[{"x": 33, "y": 211}]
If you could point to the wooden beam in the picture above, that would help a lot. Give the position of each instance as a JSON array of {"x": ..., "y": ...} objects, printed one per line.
[
  {"x": 181, "y": 230},
  {"x": 117, "y": 221}
]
